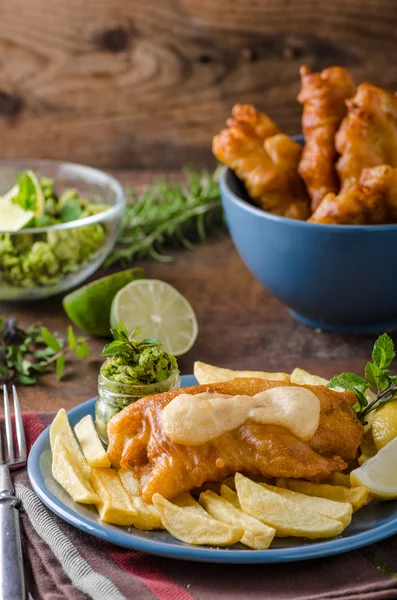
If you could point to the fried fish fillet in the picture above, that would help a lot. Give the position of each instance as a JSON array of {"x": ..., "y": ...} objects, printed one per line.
[
  {"x": 137, "y": 441},
  {"x": 371, "y": 201},
  {"x": 367, "y": 136},
  {"x": 383, "y": 181},
  {"x": 265, "y": 160},
  {"x": 323, "y": 96}
]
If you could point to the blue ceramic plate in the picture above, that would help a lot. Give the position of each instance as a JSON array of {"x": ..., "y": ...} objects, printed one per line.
[{"x": 373, "y": 523}]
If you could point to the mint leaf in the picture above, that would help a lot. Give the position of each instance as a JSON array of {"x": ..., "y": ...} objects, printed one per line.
[
  {"x": 50, "y": 340},
  {"x": 115, "y": 347},
  {"x": 82, "y": 351},
  {"x": 372, "y": 373},
  {"x": 71, "y": 338},
  {"x": 26, "y": 379},
  {"x": 70, "y": 211},
  {"x": 26, "y": 196},
  {"x": 383, "y": 352},
  {"x": 45, "y": 221},
  {"x": 60, "y": 363},
  {"x": 352, "y": 383},
  {"x": 120, "y": 333}
]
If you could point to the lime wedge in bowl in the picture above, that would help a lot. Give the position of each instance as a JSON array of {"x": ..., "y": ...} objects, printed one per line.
[
  {"x": 159, "y": 311},
  {"x": 88, "y": 307},
  {"x": 12, "y": 216}
]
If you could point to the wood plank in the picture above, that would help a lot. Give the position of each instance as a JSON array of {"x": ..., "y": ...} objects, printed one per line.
[{"x": 123, "y": 83}]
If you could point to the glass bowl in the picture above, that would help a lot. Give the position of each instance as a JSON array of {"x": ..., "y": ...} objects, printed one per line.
[{"x": 71, "y": 252}]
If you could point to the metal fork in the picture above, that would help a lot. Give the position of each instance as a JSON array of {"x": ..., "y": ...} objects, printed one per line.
[{"x": 12, "y": 584}]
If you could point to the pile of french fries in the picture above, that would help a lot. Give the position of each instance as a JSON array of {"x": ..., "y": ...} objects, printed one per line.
[{"x": 237, "y": 510}]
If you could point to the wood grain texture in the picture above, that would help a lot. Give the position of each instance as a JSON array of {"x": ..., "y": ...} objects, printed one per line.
[
  {"x": 241, "y": 326},
  {"x": 125, "y": 83}
]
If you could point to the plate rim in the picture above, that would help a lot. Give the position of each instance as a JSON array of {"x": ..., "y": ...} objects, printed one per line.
[{"x": 126, "y": 539}]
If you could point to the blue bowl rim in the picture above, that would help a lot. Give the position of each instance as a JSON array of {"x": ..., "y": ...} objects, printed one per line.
[
  {"x": 243, "y": 204},
  {"x": 113, "y": 212}
]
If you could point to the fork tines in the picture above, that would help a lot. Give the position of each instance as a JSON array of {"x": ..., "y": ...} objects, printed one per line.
[{"x": 14, "y": 454}]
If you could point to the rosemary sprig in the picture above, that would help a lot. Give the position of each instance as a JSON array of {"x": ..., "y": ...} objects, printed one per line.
[
  {"x": 377, "y": 378},
  {"x": 169, "y": 214}
]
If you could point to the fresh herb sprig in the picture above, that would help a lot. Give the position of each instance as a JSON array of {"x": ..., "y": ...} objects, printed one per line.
[
  {"x": 27, "y": 354},
  {"x": 167, "y": 214},
  {"x": 126, "y": 345},
  {"x": 377, "y": 378}
]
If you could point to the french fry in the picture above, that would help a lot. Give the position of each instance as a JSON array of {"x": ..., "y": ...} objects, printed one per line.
[
  {"x": 114, "y": 505},
  {"x": 90, "y": 443},
  {"x": 60, "y": 427},
  {"x": 341, "y": 511},
  {"x": 339, "y": 479},
  {"x": 288, "y": 518},
  {"x": 186, "y": 500},
  {"x": 68, "y": 476},
  {"x": 357, "y": 496},
  {"x": 301, "y": 377},
  {"x": 257, "y": 535},
  {"x": 130, "y": 482},
  {"x": 147, "y": 516},
  {"x": 189, "y": 525},
  {"x": 230, "y": 495},
  {"x": 205, "y": 373},
  {"x": 368, "y": 450}
]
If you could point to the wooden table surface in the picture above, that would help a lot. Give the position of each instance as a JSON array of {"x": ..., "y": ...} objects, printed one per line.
[{"x": 241, "y": 325}]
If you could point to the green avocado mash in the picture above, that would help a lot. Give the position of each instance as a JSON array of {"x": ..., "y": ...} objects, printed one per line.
[
  {"x": 150, "y": 365},
  {"x": 36, "y": 259}
]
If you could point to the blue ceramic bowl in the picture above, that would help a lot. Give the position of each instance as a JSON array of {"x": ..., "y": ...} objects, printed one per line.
[{"x": 332, "y": 277}]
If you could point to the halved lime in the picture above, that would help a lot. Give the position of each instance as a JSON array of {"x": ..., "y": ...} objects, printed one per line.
[
  {"x": 159, "y": 311},
  {"x": 89, "y": 306}
]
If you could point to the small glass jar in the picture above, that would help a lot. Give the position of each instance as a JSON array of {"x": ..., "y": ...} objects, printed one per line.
[{"x": 114, "y": 396}]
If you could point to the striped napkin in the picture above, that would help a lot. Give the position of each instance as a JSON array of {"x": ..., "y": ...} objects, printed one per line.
[{"x": 64, "y": 563}]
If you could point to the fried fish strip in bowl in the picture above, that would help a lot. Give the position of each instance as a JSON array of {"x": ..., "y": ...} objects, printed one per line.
[
  {"x": 137, "y": 440},
  {"x": 323, "y": 96},
  {"x": 265, "y": 160},
  {"x": 367, "y": 136},
  {"x": 371, "y": 201}
]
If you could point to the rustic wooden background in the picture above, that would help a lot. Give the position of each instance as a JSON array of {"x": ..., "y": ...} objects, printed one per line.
[{"x": 146, "y": 83}]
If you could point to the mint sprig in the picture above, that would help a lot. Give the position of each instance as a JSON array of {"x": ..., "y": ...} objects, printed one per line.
[
  {"x": 377, "y": 378},
  {"x": 25, "y": 355},
  {"x": 126, "y": 344}
]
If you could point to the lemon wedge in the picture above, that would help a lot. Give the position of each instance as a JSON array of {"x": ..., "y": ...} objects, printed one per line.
[
  {"x": 379, "y": 473},
  {"x": 384, "y": 424}
]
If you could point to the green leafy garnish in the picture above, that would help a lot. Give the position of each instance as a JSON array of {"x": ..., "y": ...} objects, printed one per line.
[
  {"x": 126, "y": 344},
  {"x": 27, "y": 195},
  {"x": 136, "y": 363},
  {"x": 169, "y": 214},
  {"x": 27, "y": 354},
  {"x": 377, "y": 378},
  {"x": 70, "y": 211}
]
